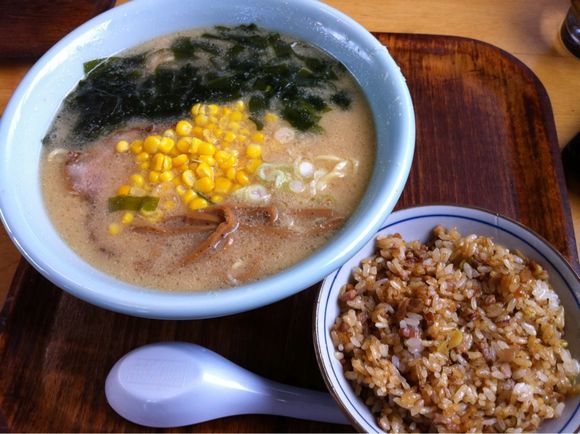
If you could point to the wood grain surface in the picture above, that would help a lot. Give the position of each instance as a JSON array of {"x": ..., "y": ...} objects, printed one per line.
[{"x": 485, "y": 137}]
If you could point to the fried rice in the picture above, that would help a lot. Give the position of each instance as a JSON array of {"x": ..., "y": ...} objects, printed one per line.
[{"x": 460, "y": 335}]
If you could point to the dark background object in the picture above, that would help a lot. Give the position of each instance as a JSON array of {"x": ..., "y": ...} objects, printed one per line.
[
  {"x": 485, "y": 137},
  {"x": 571, "y": 161},
  {"x": 570, "y": 30},
  {"x": 571, "y": 157},
  {"x": 30, "y": 27}
]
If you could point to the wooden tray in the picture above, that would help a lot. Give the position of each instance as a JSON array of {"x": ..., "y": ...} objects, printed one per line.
[{"x": 485, "y": 137}]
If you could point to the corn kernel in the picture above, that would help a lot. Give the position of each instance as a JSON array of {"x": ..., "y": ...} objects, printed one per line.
[
  {"x": 234, "y": 126},
  {"x": 194, "y": 146},
  {"x": 168, "y": 175},
  {"x": 188, "y": 178},
  {"x": 151, "y": 144},
  {"x": 144, "y": 165},
  {"x": 122, "y": 146},
  {"x": 198, "y": 203},
  {"x": 137, "y": 180},
  {"x": 180, "y": 189},
  {"x": 167, "y": 163},
  {"x": 166, "y": 144},
  {"x": 201, "y": 120},
  {"x": 242, "y": 138},
  {"x": 245, "y": 131},
  {"x": 124, "y": 190},
  {"x": 205, "y": 184},
  {"x": 183, "y": 128},
  {"x": 209, "y": 136},
  {"x": 230, "y": 162},
  {"x": 231, "y": 173},
  {"x": 142, "y": 156},
  {"x": 254, "y": 151},
  {"x": 195, "y": 109},
  {"x": 204, "y": 170},
  {"x": 184, "y": 144},
  {"x": 207, "y": 159},
  {"x": 258, "y": 137},
  {"x": 136, "y": 146},
  {"x": 242, "y": 177},
  {"x": 174, "y": 152},
  {"x": 198, "y": 132},
  {"x": 229, "y": 136},
  {"x": 226, "y": 111},
  {"x": 180, "y": 160},
  {"x": 127, "y": 218},
  {"x": 236, "y": 116},
  {"x": 158, "y": 162},
  {"x": 218, "y": 132},
  {"x": 188, "y": 196},
  {"x": 154, "y": 176},
  {"x": 221, "y": 156},
  {"x": 206, "y": 148},
  {"x": 239, "y": 105},
  {"x": 114, "y": 228},
  {"x": 213, "y": 109},
  {"x": 170, "y": 133},
  {"x": 222, "y": 185},
  {"x": 270, "y": 117},
  {"x": 216, "y": 198},
  {"x": 253, "y": 165}
]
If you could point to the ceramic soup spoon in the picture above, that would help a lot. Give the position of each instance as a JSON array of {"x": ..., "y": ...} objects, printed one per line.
[{"x": 175, "y": 384}]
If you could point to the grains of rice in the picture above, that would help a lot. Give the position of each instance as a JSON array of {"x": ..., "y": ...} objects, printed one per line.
[{"x": 454, "y": 336}]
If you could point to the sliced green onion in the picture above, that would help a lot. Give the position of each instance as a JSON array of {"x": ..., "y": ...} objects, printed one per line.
[{"x": 133, "y": 203}]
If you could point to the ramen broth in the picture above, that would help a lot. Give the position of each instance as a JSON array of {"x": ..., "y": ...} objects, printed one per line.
[{"x": 217, "y": 196}]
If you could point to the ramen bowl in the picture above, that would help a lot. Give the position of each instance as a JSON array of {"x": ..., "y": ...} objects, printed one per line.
[
  {"x": 417, "y": 224},
  {"x": 31, "y": 110}
]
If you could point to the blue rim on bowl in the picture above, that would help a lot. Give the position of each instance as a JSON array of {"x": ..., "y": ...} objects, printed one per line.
[
  {"x": 34, "y": 103},
  {"x": 417, "y": 223}
]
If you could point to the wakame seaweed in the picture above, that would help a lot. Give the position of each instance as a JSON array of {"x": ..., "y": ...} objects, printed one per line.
[{"x": 228, "y": 63}]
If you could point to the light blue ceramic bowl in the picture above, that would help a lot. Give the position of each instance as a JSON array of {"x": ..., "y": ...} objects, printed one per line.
[{"x": 30, "y": 112}]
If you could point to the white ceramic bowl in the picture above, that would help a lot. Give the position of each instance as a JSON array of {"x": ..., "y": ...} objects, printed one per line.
[
  {"x": 417, "y": 224},
  {"x": 33, "y": 105}
]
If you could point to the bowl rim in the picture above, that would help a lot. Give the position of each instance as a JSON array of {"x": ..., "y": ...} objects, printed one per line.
[
  {"x": 197, "y": 305},
  {"x": 320, "y": 334}
]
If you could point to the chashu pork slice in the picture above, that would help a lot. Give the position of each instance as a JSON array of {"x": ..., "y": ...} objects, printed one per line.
[{"x": 97, "y": 172}]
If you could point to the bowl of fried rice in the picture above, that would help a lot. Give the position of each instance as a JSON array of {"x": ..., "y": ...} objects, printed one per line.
[{"x": 453, "y": 319}]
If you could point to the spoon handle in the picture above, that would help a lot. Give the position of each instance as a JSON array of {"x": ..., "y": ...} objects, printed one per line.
[{"x": 285, "y": 400}]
